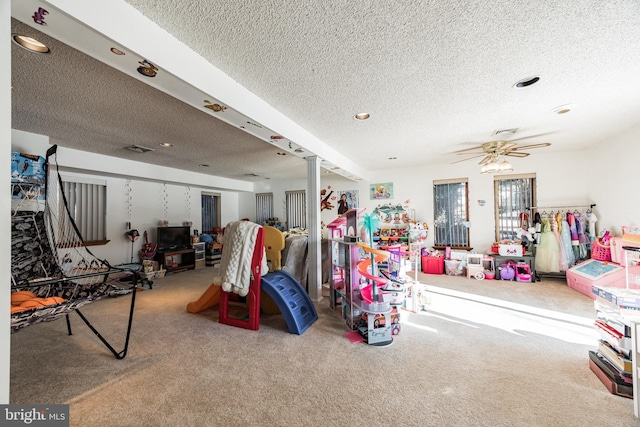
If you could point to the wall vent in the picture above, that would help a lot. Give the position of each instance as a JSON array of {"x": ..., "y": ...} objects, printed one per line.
[
  {"x": 505, "y": 133},
  {"x": 139, "y": 149}
]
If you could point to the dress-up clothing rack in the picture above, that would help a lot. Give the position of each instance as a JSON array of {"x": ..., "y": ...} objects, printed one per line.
[
  {"x": 533, "y": 209},
  {"x": 552, "y": 210}
]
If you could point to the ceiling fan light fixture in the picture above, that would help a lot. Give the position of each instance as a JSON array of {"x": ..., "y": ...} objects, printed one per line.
[
  {"x": 505, "y": 166},
  {"x": 496, "y": 165}
]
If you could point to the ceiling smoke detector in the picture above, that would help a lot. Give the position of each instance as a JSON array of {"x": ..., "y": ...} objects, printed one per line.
[{"x": 139, "y": 149}]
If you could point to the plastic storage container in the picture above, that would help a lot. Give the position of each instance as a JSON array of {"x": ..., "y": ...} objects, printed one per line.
[
  {"x": 453, "y": 267},
  {"x": 433, "y": 264}
]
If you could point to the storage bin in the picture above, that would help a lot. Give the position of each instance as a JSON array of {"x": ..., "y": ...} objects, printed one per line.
[
  {"x": 433, "y": 264},
  {"x": 600, "y": 252},
  {"x": 510, "y": 249},
  {"x": 453, "y": 267}
]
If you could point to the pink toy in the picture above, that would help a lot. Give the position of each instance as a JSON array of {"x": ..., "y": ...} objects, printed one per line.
[{"x": 523, "y": 272}]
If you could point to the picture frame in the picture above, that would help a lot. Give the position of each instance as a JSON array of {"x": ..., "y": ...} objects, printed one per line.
[
  {"x": 381, "y": 191},
  {"x": 348, "y": 199}
]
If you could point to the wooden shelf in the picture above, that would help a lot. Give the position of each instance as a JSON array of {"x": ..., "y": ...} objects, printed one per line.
[{"x": 177, "y": 260}]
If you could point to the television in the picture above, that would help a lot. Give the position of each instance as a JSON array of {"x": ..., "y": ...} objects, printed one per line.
[{"x": 173, "y": 238}]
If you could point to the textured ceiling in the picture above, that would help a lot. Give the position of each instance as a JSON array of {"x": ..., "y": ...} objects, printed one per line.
[
  {"x": 80, "y": 103},
  {"x": 436, "y": 77}
]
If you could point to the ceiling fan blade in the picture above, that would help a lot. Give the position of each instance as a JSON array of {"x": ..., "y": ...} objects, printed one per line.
[
  {"x": 468, "y": 158},
  {"x": 505, "y": 146},
  {"x": 486, "y": 160},
  {"x": 531, "y": 147},
  {"x": 516, "y": 154},
  {"x": 467, "y": 150},
  {"x": 469, "y": 153},
  {"x": 531, "y": 136}
]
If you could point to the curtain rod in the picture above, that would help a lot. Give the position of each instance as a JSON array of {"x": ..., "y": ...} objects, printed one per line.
[{"x": 591, "y": 206}]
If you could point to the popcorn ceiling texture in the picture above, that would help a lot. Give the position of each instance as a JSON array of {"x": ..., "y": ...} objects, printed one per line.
[{"x": 437, "y": 76}]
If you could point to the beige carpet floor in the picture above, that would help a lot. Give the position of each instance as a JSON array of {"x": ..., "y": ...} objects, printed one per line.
[{"x": 484, "y": 353}]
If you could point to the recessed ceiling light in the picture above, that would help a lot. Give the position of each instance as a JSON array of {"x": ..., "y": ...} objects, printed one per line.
[
  {"x": 116, "y": 51},
  {"x": 563, "y": 109},
  {"x": 166, "y": 144},
  {"x": 281, "y": 153},
  {"x": 526, "y": 82},
  {"x": 31, "y": 44},
  {"x": 362, "y": 116}
]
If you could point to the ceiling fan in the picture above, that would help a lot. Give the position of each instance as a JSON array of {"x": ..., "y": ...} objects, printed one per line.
[{"x": 493, "y": 154}]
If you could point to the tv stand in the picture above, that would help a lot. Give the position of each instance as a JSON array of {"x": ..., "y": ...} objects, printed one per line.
[{"x": 177, "y": 260}]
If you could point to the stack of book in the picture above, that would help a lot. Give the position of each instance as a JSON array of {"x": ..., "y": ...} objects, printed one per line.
[{"x": 612, "y": 362}]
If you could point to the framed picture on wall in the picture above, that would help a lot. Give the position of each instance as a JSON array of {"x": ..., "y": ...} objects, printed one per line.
[
  {"x": 381, "y": 191},
  {"x": 347, "y": 200}
]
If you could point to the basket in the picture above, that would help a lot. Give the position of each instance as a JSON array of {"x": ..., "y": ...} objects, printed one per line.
[{"x": 600, "y": 252}]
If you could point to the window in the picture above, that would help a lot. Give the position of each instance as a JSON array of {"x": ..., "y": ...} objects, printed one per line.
[
  {"x": 451, "y": 209},
  {"x": 87, "y": 202},
  {"x": 296, "y": 204},
  {"x": 264, "y": 207},
  {"x": 210, "y": 211},
  {"x": 513, "y": 196}
]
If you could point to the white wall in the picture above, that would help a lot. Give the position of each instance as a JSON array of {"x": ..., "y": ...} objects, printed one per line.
[
  {"x": 561, "y": 181},
  {"x": 614, "y": 175},
  {"x": 5, "y": 188},
  {"x": 247, "y": 206},
  {"x": 148, "y": 188}
]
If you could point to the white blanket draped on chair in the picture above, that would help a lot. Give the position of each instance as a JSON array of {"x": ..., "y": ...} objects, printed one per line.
[{"x": 237, "y": 253}]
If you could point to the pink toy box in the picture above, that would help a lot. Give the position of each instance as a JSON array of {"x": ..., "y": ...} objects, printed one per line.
[
  {"x": 584, "y": 276},
  {"x": 617, "y": 253}
]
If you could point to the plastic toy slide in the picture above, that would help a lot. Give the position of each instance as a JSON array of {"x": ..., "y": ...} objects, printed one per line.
[
  {"x": 365, "y": 267},
  {"x": 292, "y": 300},
  {"x": 209, "y": 298}
]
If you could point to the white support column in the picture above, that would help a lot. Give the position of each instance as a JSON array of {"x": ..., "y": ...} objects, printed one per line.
[
  {"x": 635, "y": 353},
  {"x": 5, "y": 212},
  {"x": 314, "y": 277}
]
